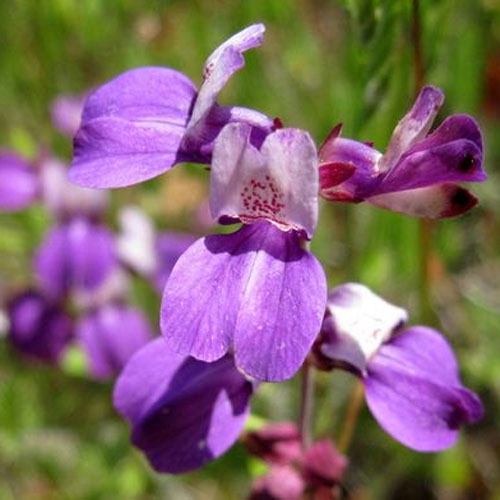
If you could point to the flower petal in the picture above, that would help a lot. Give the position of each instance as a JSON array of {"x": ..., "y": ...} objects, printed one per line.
[
  {"x": 18, "y": 182},
  {"x": 279, "y": 183},
  {"x": 338, "y": 158},
  {"x": 66, "y": 113},
  {"x": 39, "y": 328},
  {"x": 455, "y": 161},
  {"x": 132, "y": 128},
  {"x": 256, "y": 286},
  {"x": 357, "y": 323},
  {"x": 433, "y": 202},
  {"x": 413, "y": 127},
  {"x": 220, "y": 66},
  {"x": 413, "y": 390},
  {"x": 183, "y": 412},
  {"x": 78, "y": 255},
  {"x": 110, "y": 335}
]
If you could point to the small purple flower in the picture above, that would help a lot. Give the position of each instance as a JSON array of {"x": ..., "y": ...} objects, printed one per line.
[
  {"x": 410, "y": 376},
  {"x": 146, "y": 120},
  {"x": 19, "y": 185},
  {"x": 66, "y": 112},
  {"x": 418, "y": 174},
  {"x": 256, "y": 292},
  {"x": 183, "y": 412},
  {"x": 150, "y": 254},
  {"x": 38, "y": 327},
  {"x": 76, "y": 256},
  {"x": 110, "y": 335}
]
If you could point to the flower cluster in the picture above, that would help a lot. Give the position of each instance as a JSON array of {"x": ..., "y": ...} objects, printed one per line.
[{"x": 251, "y": 305}]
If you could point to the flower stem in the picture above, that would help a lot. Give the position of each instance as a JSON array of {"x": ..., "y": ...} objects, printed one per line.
[
  {"x": 306, "y": 404},
  {"x": 355, "y": 404},
  {"x": 425, "y": 226}
]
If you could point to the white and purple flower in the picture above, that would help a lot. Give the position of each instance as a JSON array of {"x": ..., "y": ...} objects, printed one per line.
[
  {"x": 410, "y": 374},
  {"x": 418, "y": 173},
  {"x": 256, "y": 292},
  {"x": 146, "y": 120}
]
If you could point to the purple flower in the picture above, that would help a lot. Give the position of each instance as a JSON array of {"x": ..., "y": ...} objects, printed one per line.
[
  {"x": 183, "y": 412},
  {"x": 38, "y": 327},
  {"x": 65, "y": 200},
  {"x": 19, "y": 186},
  {"x": 418, "y": 173},
  {"x": 146, "y": 120},
  {"x": 256, "y": 292},
  {"x": 76, "y": 256},
  {"x": 66, "y": 112},
  {"x": 110, "y": 335},
  {"x": 151, "y": 254},
  {"x": 410, "y": 376}
]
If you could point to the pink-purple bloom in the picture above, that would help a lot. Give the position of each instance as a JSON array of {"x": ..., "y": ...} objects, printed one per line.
[
  {"x": 183, "y": 412},
  {"x": 146, "y": 120},
  {"x": 418, "y": 173},
  {"x": 256, "y": 292},
  {"x": 110, "y": 335},
  {"x": 410, "y": 374},
  {"x": 19, "y": 183}
]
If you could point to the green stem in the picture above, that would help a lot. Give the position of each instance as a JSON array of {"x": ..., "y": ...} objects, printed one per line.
[
  {"x": 306, "y": 404},
  {"x": 425, "y": 226},
  {"x": 351, "y": 419}
]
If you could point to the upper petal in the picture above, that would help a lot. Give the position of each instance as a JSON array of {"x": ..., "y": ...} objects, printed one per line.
[
  {"x": 183, "y": 412},
  {"x": 221, "y": 65},
  {"x": 413, "y": 127},
  {"x": 279, "y": 183},
  {"x": 132, "y": 128},
  {"x": 18, "y": 182},
  {"x": 413, "y": 390}
]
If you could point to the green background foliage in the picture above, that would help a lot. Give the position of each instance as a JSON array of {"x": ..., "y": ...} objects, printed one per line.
[{"x": 323, "y": 62}]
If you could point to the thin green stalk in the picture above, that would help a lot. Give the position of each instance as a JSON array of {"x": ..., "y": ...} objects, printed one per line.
[
  {"x": 306, "y": 404},
  {"x": 351, "y": 418},
  {"x": 425, "y": 226}
]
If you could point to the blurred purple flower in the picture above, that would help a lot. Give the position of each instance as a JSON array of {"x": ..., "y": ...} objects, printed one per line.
[
  {"x": 76, "y": 256},
  {"x": 256, "y": 291},
  {"x": 66, "y": 112},
  {"x": 183, "y": 412},
  {"x": 410, "y": 376},
  {"x": 38, "y": 328},
  {"x": 146, "y": 120},
  {"x": 19, "y": 184},
  {"x": 147, "y": 252},
  {"x": 418, "y": 173},
  {"x": 110, "y": 335}
]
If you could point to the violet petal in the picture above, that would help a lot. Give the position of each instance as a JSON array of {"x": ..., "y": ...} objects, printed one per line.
[
  {"x": 110, "y": 335},
  {"x": 413, "y": 127},
  {"x": 132, "y": 128},
  {"x": 257, "y": 288},
  {"x": 18, "y": 182},
  {"x": 183, "y": 412},
  {"x": 414, "y": 392},
  {"x": 78, "y": 255},
  {"x": 39, "y": 328}
]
